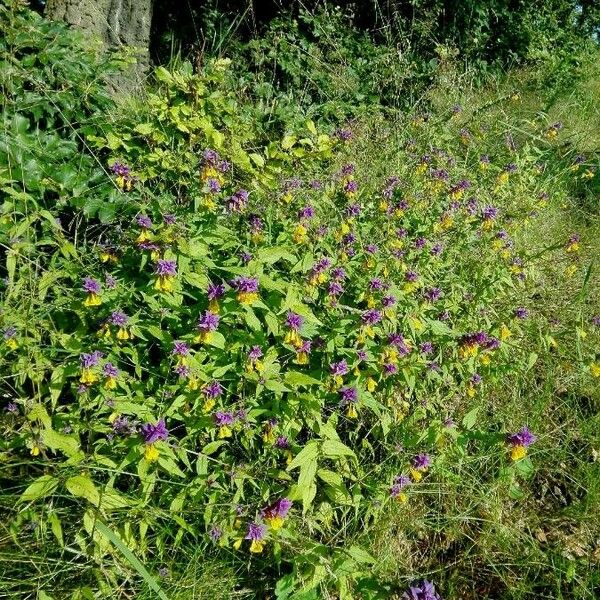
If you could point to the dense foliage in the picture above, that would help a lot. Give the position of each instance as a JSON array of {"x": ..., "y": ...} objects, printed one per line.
[{"x": 260, "y": 347}]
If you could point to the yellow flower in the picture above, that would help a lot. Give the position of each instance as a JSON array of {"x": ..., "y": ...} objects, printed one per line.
[
  {"x": 275, "y": 523},
  {"x": 213, "y": 306},
  {"x": 293, "y": 338},
  {"x": 110, "y": 383},
  {"x": 302, "y": 358},
  {"x": 123, "y": 334},
  {"x": 416, "y": 475},
  {"x": 300, "y": 234},
  {"x": 93, "y": 299},
  {"x": 12, "y": 343},
  {"x": 35, "y": 450},
  {"x": 518, "y": 452},
  {"x": 256, "y": 547},
  {"x": 402, "y": 498},
  {"x": 504, "y": 332},
  {"x": 208, "y": 405},
  {"x": 224, "y": 432},
  {"x": 247, "y": 297},
  {"x": 151, "y": 454},
  {"x": 351, "y": 411},
  {"x": 371, "y": 384},
  {"x": 595, "y": 369},
  {"x": 143, "y": 237},
  {"x": 485, "y": 359},
  {"x": 88, "y": 377},
  {"x": 164, "y": 283}
]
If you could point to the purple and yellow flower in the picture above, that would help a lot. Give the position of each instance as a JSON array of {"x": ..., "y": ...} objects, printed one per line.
[
  {"x": 573, "y": 243},
  {"x": 348, "y": 400},
  {"x": 396, "y": 491},
  {"x": 420, "y": 465},
  {"x": 246, "y": 288},
  {"x": 93, "y": 289},
  {"x": 212, "y": 390},
  {"x": 256, "y": 534},
  {"x": 303, "y": 352},
  {"x": 88, "y": 362},
  {"x": 9, "y": 335},
  {"x": 254, "y": 363},
  {"x": 224, "y": 421},
  {"x": 275, "y": 513},
  {"x": 238, "y": 201},
  {"x": 207, "y": 324},
  {"x": 338, "y": 370},
  {"x": 124, "y": 178},
  {"x": 519, "y": 442},
  {"x": 119, "y": 319},
  {"x": 152, "y": 434},
  {"x": 166, "y": 271},
  {"x": 111, "y": 373},
  {"x": 293, "y": 322}
]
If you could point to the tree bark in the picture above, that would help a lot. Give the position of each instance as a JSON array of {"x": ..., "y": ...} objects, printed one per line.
[{"x": 116, "y": 22}]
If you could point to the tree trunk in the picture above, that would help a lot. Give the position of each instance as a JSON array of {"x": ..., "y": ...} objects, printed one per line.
[{"x": 116, "y": 22}]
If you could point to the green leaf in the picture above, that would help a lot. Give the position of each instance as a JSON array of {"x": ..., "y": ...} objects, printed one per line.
[
  {"x": 82, "y": 486},
  {"x": 131, "y": 558},
  {"x": 212, "y": 447},
  {"x": 251, "y": 319},
  {"x": 295, "y": 378},
  {"x": 308, "y": 454},
  {"x": 335, "y": 449},
  {"x": 40, "y": 488},
  {"x": 470, "y": 418},
  {"x": 68, "y": 444}
]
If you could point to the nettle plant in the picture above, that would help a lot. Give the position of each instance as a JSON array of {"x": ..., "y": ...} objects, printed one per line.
[{"x": 263, "y": 350}]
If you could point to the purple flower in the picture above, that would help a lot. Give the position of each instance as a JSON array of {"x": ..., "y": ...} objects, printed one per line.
[
  {"x": 224, "y": 419},
  {"x": 420, "y": 243},
  {"x": 155, "y": 433},
  {"x": 182, "y": 370},
  {"x": 388, "y": 301},
  {"x": 169, "y": 219},
  {"x": 282, "y": 442},
  {"x": 390, "y": 369},
  {"x": 215, "y": 533},
  {"x": 255, "y": 353},
  {"x": 422, "y": 591},
  {"x": 375, "y": 284},
  {"x": 426, "y": 347},
  {"x": 12, "y": 408},
  {"x": 371, "y": 248},
  {"x": 339, "y": 274},
  {"x": 400, "y": 482},
  {"x": 119, "y": 318},
  {"x": 180, "y": 348},
  {"x": 91, "y": 286},
  {"x": 524, "y": 437},
  {"x": 278, "y": 510},
  {"x": 247, "y": 285},
  {"x": 521, "y": 313},
  {"x": 144, "y": 221},
  {"x": 421, "y": 462},
  {"x": 351, "y": 187},
  {"x": 294, "y": 321},
  {"x": 338, "y": 369},
  {"x": 256, "y": 532},
  {"x": 432, "y": 294},
  {"x": 121, "y": 425},
  {"x": 90, "y": 360},
  {"x": 245, "y": 257},
  {"x": 489, "y": 213},
  {"x": 166, "y": 268},
  {"x": 371, "y": 317},
  {"x": 315, "y": 184},
  {"x": 210, "y": 157},
  {"x": 215, "y": 291},
  {"x": 109, "y": 370},
  {"x": 209, "y": 321},
  {"x": 307, "y": 212},
  {"x": 348, "y": 394},
  {"x": 120, "y": 169},
  {"x": 9, "y": 332},
  {"x": 361, "y": 355},
  {"x": 596, "y": 321},
  {"x": 238, "y": 201},
  {"x": 411, "y": 276},
  {"x": 335, "y": 289},
  {"x": 214, "y": 186},
  {"x": 476, "y": 379},
  {"x": 343, "y": 135},
  {"x": 213, "y": 389},
  {"x": 111, "y": 282},
  {"x": 352, "y": 210}
]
